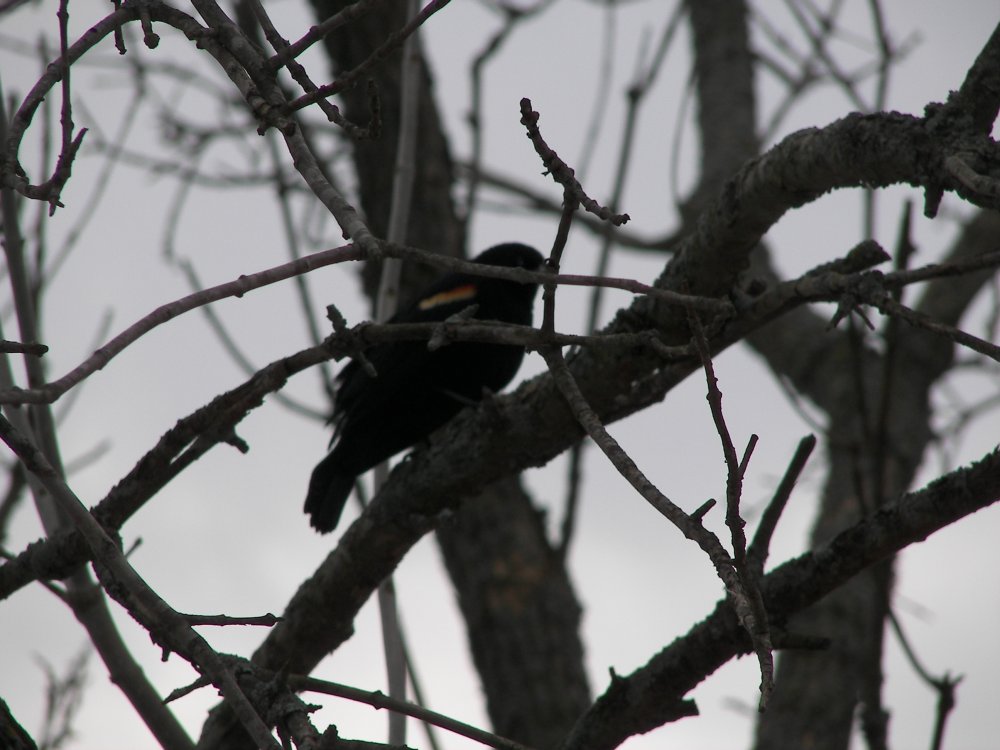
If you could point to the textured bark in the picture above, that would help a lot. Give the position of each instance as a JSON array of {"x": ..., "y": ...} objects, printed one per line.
[
  {"x": 531, "y": 426},
  {"x": 433, "y": 224},
  {"x": 521, "y": 615},
  {"x": 726, "y": 102},
  {"x": 653, "y": 694},
  {"x": 818, "y": 692},
  {"x": 618, "y": 380},
  {"x": 526, "y": 640},
  {"x": 528, "y": 699},
  {"x": 868, "y": 463}
]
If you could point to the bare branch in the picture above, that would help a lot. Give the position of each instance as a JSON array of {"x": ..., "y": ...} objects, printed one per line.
[
  {"x": 560, "y": 171},
  {"x": 747, "y": 600},
  {"x": 163, "y": 622},
  {"x": 758, "y": 550},
  {"x": 630, "y": 705},
  {"x": 53, "y": 390},
  {"x": 16, "y": 347},
  {"x": 351, "y": 78},
  {"x": 377, "y": 699}
]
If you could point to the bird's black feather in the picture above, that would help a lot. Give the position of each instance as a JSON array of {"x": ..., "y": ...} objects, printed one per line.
[{"x": 417, "y": 390}]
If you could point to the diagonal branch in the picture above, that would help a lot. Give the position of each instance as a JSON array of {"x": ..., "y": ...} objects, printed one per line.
[
  {"x": 743, "y": 595},
  {"x": 166, "y": 626},
  {"x": 648, "y": 697}
]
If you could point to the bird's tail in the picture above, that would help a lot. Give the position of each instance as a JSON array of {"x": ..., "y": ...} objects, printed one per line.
[{"x": 329, "y": 488}]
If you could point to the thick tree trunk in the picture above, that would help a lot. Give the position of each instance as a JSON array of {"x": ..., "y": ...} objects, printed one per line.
[
  {"x": 818, "y": 692},
  {"x": 521, "y": 613}
]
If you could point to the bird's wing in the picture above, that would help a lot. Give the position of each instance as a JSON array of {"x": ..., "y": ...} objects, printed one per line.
[{"x": 398, "y": 364}]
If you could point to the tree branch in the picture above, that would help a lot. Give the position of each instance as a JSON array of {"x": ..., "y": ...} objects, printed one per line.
[{"x": 648, "y": 697}]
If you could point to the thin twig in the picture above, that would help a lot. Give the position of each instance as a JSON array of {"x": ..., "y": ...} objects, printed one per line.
[
  {"x": 635, "y": 96},
  {"x": 601, "y": 90},
  {"x": 560, "y": 171},
  {"x": 292, "y": 242},
  {"x": 760, "y": 545},
  {"x": 591, "y": 423},
  {"x": 377, "y": 699},
  {"x": 241, "y": 360},
  {"x": 16, "y": 347},
  {"x": 917, "y": 319},
  {"x": 266, "y": 621},
  {"x": 164, "y": 623},
  {"x": 533, "y": 201},
  {"x": 984, "y": 187},
  {"x": 812, "y": 286},
  {"x": 944, "y": 685},
  {"x": 316, "y": 33},
  {"x": 881, "y": 450},
  {"x": 419, "y": 695},
  {"x": 908, "y": 276},
  {"x": 51, "y": 391},
  {"x": 350, "y": 78},
  {"x": 298, "y": 72},
  {"x": 512, "y": 16},
  {"x": 755, "y": 619},
  {"x": 89, "y": 608},
  {"x": 386, "y": 302},
  {"x": 456, "y": 265},
  {"x": 734, "y": 482}
]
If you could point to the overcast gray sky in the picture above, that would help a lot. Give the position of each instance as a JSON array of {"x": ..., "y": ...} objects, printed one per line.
[{"x": 228, "y": 535}]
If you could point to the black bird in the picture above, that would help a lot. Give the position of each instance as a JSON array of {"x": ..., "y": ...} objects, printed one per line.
[{"x": 417, "y": 390}]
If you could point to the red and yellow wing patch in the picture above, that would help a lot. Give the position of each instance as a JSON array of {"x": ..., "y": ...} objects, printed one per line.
[{"x": 455, "y": 294}]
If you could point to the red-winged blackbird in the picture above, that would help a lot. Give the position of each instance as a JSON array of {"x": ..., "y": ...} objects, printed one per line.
[{"x": 417, "y": 390}]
